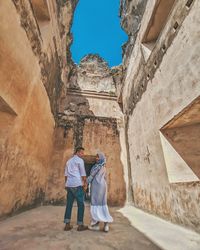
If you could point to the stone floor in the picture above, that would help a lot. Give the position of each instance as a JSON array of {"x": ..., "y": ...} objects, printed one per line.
[{"x": 42, "y": 229}]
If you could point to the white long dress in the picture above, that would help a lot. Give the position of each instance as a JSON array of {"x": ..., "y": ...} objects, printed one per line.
[{"x": 99, "y": 209}]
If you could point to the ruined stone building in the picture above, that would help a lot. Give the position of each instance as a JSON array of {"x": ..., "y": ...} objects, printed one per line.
[{"x": 144, "y": 114}]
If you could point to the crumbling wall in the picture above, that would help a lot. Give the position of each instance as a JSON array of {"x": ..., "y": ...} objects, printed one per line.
[
  {"x": 50, "y": 41},
  {"x": 94, "y": 134},
  {"x": 131, "y": 13},
  {"x": 92, "y": 74},
  {"x": 32, "y": 62},
  {"x": 156, "y": 89},
  {"x": 89, "y": 116},
  {"x": 42, "y": 115}
]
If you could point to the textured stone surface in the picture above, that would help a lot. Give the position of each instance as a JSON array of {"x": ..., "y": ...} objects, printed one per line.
[
  {"x": 48, "y": 41},
  {"x": 92, "y": 89},
  {"x": 32, "y": 64},
  {"x": 42, "y": 229},
  {"x": 131, "y": 13},
  {"x": 89, "y": 115},
  {"x": 94, "y": 133},
  {"x": 93, "y": 74},
  {"x": 117, "y": 73},
  {"x": 103, "y": 135},
  {"x": 156, "y": 84},
  {"x": 156, "y": 91}
]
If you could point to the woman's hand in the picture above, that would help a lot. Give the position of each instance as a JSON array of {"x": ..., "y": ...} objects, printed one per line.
[{"x": 89, "y": 179}]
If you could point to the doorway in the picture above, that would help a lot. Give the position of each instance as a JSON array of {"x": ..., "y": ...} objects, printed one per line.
[{"x": 89, "y": 161}]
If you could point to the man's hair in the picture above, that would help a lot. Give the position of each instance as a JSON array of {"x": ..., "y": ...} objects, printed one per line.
[{"x": 78, "y": 149}]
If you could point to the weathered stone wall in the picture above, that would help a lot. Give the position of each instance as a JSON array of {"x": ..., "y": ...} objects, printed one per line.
[
  {"x": 131, "y": 13},
  {"x": 32, "y": 64},
  {"x": 95, "y": 134},
  {"x": 87, "y": 103},
  {"x": 63, "y": 146},
  {"x": 48, "y": 106},
  {"x": 92, "y": 74},
  {"x": 103, "y": 135},
  {"x": 156, "y": 89},
  {"x": 89, "y": 115},
  {"x": 47, "y": 25}
]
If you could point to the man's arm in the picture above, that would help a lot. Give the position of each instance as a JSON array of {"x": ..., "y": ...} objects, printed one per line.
[
  {"x": 65, "y": 174},
  {"x": 84, "y": 180},
  {"x": 83, "y": 174},
  {"x": 65, "y": 182}
]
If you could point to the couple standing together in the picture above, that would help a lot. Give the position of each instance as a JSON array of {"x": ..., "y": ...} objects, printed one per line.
[{"x": 76, "y": 184}]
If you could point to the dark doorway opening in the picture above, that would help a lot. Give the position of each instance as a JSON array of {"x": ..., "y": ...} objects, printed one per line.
[{"x": 89, "y": 161}]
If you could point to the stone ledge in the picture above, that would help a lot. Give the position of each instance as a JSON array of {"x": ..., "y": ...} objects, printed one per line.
[{"x": 92, "y": 94}]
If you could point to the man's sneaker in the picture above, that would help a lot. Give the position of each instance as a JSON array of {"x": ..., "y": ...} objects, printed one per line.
[
  {"x": 106, "y": 228},
  {"x": 94, "y": 227},
  {"x": 68, "y": 227},
  {"x": 82, "y": 228}
]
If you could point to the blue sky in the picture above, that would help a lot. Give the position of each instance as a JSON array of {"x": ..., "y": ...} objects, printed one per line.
[{"x": 96, "y": 29}]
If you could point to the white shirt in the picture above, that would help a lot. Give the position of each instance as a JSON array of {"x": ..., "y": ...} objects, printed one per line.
[{"x": 74, "y": 170}]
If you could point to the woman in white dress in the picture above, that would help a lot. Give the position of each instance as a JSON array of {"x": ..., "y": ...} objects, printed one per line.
[{"x": 99, "y": 209}]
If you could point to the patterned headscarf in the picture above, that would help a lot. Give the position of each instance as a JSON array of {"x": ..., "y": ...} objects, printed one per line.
[
  {"x": 102, "y": 158},
  {"x": 95, "y": 169}
]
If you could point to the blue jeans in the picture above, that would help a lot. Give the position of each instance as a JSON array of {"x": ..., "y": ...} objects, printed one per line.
[{"x": 78, "y": 194}]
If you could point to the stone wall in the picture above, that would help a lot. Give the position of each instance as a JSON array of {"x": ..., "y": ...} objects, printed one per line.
[
  {"x": 32, "y": 62},
  {"x": 49, "y": 105},
  {"x": 161, "y": 84},
  {"x": 103, "y": 135},
  {"x": 94, "y": 134},
  {"x": 90, "y": 116},
  {"x": 131, "y": 13},
  {"x": 92, "y": 74}
]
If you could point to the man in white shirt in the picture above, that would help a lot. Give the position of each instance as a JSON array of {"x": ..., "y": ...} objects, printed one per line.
[{"x": 75, "y": 183}]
